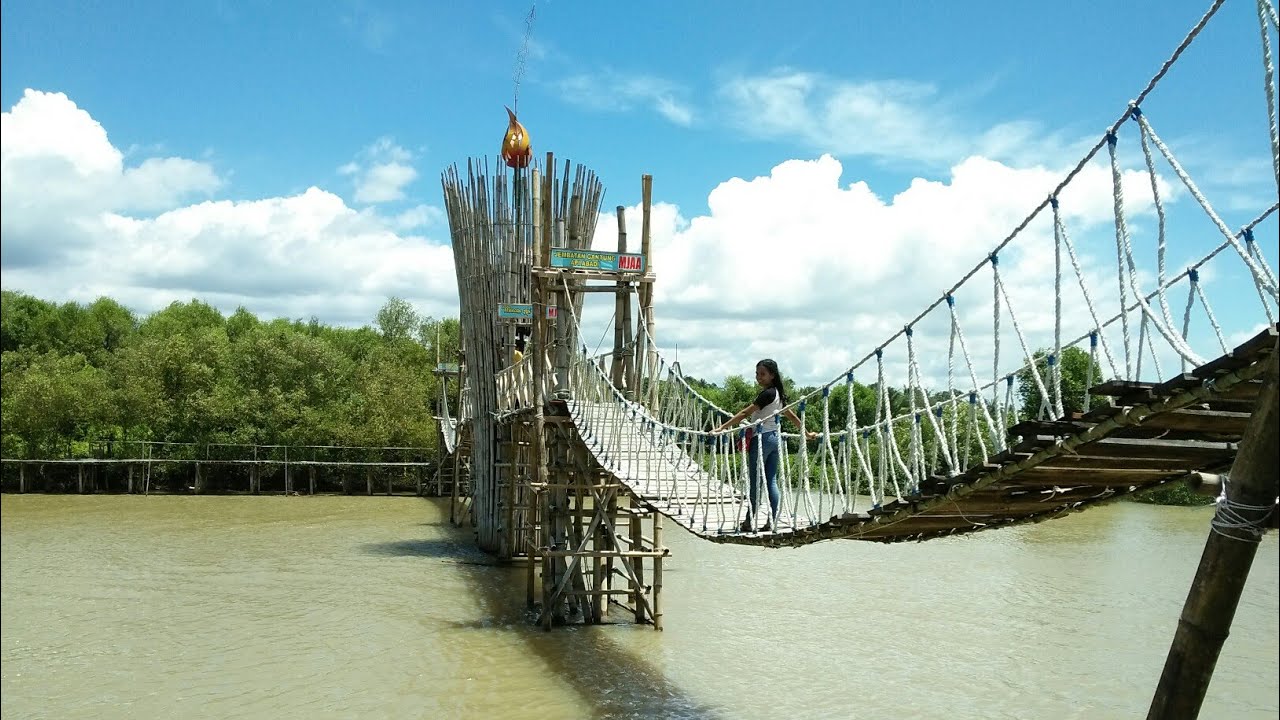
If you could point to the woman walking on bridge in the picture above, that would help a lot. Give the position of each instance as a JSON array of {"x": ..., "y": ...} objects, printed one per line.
[{"x": 769, "y": 403}]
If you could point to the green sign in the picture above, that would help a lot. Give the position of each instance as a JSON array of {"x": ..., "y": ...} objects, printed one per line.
[
  {"x": 596, "y": 260},
  {"x": 522, "y": 311}
]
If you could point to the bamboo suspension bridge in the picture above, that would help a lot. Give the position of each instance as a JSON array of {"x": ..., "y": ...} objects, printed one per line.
[{"x": 563, "y": 457}]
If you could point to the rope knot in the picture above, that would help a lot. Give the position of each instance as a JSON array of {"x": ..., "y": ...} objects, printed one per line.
[
  {"x": 995, "y": 260},
  {"x": 1053, "y": 201},
  {"x": 1194, "y": 274},
  {"x": 951, "y": 300},
  {"x": 1111, "y": 139}
]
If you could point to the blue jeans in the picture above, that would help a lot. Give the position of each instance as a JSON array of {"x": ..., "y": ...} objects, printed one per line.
[{"x": 770, "y": 440}]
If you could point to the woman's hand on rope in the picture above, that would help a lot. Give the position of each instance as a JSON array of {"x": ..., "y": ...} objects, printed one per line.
[{"x": 811, "y": 434}]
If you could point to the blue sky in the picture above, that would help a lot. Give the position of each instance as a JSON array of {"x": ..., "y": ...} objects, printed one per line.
[{"x": 253, "y": 104}]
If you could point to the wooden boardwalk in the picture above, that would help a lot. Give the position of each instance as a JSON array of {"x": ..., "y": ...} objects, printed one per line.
[{"x": 1149, "y": 435}]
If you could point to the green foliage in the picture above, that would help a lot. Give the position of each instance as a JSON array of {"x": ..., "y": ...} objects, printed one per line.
[
  {"x": 74, "y": 373},
  {"x": 1075, "y": 364},
  {"x": 1173, "y": 493}
]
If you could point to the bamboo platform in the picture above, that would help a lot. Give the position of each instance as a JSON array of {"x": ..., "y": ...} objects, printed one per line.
[{"x": 1150, "y": 434}]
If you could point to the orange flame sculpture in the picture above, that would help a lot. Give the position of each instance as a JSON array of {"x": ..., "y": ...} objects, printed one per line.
[{"x": 516, "y": 150}]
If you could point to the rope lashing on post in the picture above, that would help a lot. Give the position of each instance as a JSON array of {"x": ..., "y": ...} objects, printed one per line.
[{"x": 1240, "y": 521}]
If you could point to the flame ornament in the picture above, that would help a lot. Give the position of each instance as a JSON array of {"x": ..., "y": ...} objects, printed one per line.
[{"x": 516, "y": 150}]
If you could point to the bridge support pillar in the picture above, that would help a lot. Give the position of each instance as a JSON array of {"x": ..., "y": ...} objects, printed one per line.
[{"x": 589, "y": 537}]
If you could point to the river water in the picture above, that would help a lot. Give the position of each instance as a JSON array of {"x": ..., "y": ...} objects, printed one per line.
[{"x": 359, "y": 607}]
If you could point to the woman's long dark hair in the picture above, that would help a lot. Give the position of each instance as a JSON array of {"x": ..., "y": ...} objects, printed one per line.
[{"x": 772, "y": 367}]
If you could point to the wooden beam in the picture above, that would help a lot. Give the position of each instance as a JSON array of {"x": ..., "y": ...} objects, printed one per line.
[{"x": 1200, "y": 421}]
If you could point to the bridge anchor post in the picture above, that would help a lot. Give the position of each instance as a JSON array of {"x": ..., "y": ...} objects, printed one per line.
[{"x": 1228, "y": 554}]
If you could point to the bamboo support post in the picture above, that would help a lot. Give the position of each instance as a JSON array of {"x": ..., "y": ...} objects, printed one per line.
[
  {"x": 634, "y": 582},
  {"x": 659, "y": 553},
  {"x": 1224, "y": 566}
]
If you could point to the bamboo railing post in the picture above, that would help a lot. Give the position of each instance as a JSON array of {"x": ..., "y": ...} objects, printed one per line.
[{"x": 1224, "y": 566}]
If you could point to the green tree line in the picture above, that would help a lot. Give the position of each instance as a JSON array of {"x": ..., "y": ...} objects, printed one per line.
[{"x": 74, "y": 373}]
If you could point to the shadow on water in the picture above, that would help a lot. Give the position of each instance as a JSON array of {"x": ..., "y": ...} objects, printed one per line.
[{"x": 612, "y": 679}]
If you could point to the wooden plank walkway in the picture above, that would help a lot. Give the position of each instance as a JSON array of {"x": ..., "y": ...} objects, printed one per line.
[{"x": 1149, "y": 435}]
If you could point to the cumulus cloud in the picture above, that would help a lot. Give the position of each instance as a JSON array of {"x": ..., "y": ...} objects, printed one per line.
[
  {"x": 891, "y": 120},
  {"x": 73, "y": 229},
  {"x": 381, "y": 172},
  {"x": 612, "y": 91},
  {"x": 58, "y": 171}
]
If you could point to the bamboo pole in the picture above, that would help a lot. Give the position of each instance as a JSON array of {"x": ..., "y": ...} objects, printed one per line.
[
  {"x": 637, "y": 563},
  {"x": 1224, "y": 566},
  {"x": 646, "y": 287},
  {"x": 659, "y": 552},
  {"x": 541, "y": 242},
  {"x": 621, "y": 305}
]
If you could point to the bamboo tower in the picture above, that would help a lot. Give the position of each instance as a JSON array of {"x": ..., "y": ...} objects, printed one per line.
[{"x": 496, "y": 220}]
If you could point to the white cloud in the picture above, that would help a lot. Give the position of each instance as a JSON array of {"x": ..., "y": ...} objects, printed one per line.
[
  {"x": 381, "y": 172},
  {"x": 891, "y": 120},
  {"x": 817, "y": 273},
  {"x": 68, "y": 231},
  {"x": 800, "y": 265},
  {"x": 57, "y": 169},
  {"x": 612, "y": 91}
]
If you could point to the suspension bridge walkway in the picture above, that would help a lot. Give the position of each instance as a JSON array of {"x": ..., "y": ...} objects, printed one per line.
[
  {"x": 1152, "y": 434},
  {"x": 1121, "y": 378}
]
